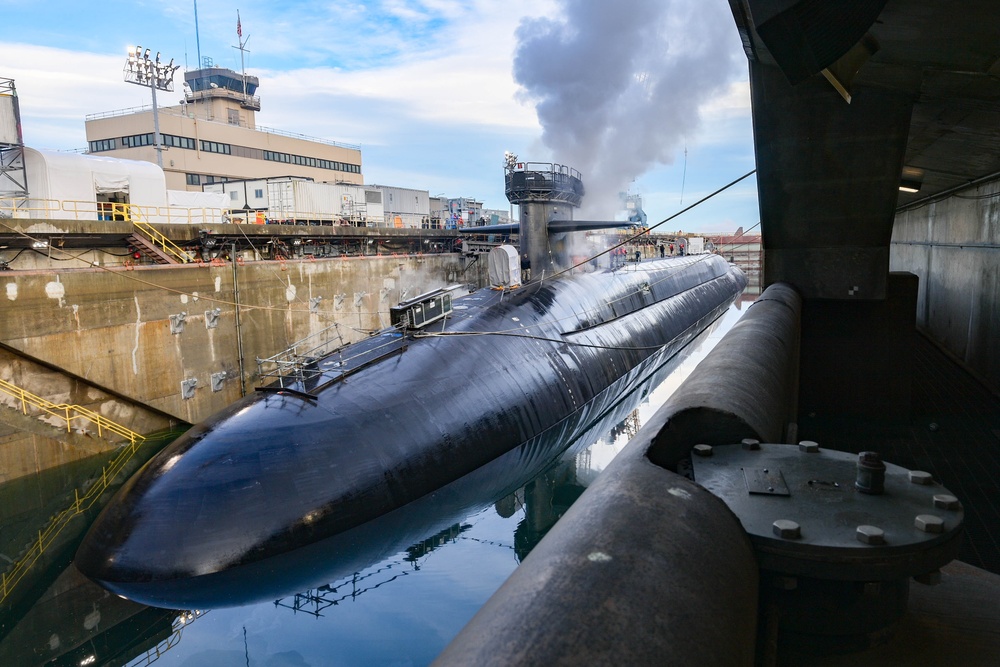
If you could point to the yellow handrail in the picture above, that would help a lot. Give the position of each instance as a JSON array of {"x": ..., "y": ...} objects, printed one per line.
[
  {"x": 69, "y": 413},
  {"x": 20, "y": 567},
  {"x": 133, "y": 214},
  {"x": 80, "y": 504}
]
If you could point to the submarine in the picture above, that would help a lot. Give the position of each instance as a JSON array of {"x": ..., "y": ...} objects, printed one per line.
[{"x": 457, "y": 382}]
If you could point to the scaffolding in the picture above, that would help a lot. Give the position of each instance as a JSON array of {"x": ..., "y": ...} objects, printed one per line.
[{"x": 13, "y": 177}]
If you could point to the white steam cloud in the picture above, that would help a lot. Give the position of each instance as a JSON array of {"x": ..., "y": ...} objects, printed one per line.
[{"x": 618, "y": 86}]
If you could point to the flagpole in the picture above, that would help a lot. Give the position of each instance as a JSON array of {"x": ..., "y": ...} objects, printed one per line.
[{"x": 242, "y": 43}]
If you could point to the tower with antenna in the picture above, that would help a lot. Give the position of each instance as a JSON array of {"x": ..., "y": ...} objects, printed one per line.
[{"x": 219, "y": 93}]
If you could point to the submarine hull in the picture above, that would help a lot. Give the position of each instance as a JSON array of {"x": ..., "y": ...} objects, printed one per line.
[{"x": 392, "y": 419}]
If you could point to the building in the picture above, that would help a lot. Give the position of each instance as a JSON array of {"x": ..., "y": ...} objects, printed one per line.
[
  {"x": 213, "y": 136},
  {"x": 302, "y": 201},
  {"x": 405, "y": 207}
]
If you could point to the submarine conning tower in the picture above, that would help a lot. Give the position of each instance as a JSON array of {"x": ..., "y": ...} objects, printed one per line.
[{"x": 543, "y": 191}]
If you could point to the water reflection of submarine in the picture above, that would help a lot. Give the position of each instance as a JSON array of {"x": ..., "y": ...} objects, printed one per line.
[{"x": 397, "y": 419}]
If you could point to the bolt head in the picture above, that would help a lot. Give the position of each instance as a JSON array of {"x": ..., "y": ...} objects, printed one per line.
[
  {"x": 870, "y": 535},
  {"x": 921, "y": 477},
  {"x": 929, "y": 523},
  {"x": 808, "y": 446},
  {"x": 750, "y": 443},
  {"x": 702, "y": 450},
  {"x": 946, "y": 502},
  {"x": 786, "y": 530}
]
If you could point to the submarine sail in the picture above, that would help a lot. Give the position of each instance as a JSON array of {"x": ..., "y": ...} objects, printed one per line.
[{"x": 390, "y": 419}]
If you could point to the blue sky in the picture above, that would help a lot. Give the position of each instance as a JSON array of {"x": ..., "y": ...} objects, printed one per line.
[{"x": 434, "y": 91}]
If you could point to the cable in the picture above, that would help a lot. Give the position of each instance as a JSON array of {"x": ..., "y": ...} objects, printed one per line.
[
  {"x": 665, "y": 220},
  {"x": 542, "y": 338}
]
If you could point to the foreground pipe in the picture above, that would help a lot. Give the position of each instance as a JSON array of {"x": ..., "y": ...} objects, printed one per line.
[
  {"x": 745, "y": 388},
  {"x": 648, "y": 568}
]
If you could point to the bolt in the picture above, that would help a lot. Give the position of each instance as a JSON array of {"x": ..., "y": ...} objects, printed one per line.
[
  {"x": 932, "y": 578},
  {"x": 946, "y": 502},
  {"x": 929, "y": 523},
  {"x": 870, "y": 535},
  {"x": 871, "y": 474},
  {"x": 750, "y": 444},
  {"x": 808, "y": 446},
  {"x": 787, "y": 530},
  {"x": 921, "y": 477},
  {"x": 702, "y": 450}
]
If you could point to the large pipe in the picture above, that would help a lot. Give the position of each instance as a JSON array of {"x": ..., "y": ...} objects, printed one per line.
[
  {"x": 647, "y": 567},
  {"x": 745, "y": 388}
]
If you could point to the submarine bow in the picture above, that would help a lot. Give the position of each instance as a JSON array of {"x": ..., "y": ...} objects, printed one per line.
[{"x": 281, "y": 470}]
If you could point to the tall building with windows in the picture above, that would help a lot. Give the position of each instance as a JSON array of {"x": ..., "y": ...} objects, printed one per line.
[{"x": 212, "y": 136}]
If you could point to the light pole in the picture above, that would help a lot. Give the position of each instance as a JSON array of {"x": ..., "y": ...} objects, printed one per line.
[{"x": 139, "y": 69}]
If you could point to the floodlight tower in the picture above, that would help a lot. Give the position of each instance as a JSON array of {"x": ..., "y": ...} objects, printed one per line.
[{"x": 141, "y": 70}]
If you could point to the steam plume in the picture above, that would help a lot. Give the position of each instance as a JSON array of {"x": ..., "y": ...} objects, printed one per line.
[{"x": 618, "y": 85}]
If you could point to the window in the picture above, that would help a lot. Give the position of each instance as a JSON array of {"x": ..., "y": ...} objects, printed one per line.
[
  {"x": 193, "y": 179},
  {"x": 233, "y": 195},
  {"x": 102, "y": 145},
  {"x": 215, "y": 147},
  {"x": 258, "y": 193}
]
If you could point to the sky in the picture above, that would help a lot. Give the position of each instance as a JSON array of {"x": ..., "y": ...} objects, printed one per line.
[{"x": 649, "y": 96}]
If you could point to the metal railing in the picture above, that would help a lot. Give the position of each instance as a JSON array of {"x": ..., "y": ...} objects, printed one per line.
[
  {"x": 58, "y": 209},
  {"x": 135, "y": 215},
  {"x": 48, "y": 535},
  {"x": 290, "y": 363},
  {"x": 81, "y": 503},
  {"x": 184, "y": 619},
  {"x": 69, "y": 413},
  {"x": 191, "y": 113}
]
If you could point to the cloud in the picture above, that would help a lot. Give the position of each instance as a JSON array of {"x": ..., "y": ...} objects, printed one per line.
[{"x": 618, "y": 87}]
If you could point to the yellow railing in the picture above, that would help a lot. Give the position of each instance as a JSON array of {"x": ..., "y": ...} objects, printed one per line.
[
  {"x": 81, "y": 504},
  {"x": 135, "y": 215},
  {"x": 57, "y": 209},
  {"x": 69, "y": 413}
]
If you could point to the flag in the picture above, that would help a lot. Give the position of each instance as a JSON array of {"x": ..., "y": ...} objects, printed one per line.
[{"x": 239, "y": 28}]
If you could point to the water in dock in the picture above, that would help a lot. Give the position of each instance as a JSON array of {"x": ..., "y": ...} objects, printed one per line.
[{"x": 401, "y": 608}]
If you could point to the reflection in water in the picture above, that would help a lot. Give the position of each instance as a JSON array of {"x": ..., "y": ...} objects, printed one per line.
[{"x": 410, "y": 580}]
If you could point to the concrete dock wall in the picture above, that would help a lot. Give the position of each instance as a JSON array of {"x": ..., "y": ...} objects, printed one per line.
[
  {"x": 954, "y": 247},
  {"x": 144, "y": 332}
]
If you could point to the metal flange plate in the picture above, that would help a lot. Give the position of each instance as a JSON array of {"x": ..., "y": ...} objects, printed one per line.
[{"x": 824, "y": 527}]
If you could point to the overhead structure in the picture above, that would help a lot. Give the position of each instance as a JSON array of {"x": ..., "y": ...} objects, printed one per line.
[
  {"x": 143, "y": 71},
  {"x": 13, "y": 177}
]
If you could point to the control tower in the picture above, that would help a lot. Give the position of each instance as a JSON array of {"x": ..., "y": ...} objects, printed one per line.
[
  {"x": 544, "y": 192},
  {"x": 223, "y": 93}
]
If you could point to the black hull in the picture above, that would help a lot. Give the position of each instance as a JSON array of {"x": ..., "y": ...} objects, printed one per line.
[{"x": 280, "y": 472}]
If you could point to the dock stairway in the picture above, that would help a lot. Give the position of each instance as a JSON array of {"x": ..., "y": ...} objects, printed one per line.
[
  {"x": 149, "y": 249},
  {"x": 145, "y": 238}
]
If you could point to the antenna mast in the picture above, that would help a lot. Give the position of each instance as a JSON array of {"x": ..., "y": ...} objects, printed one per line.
[
  {"x": 197, "y": 39},
  {"x": 242, "y": 44}
]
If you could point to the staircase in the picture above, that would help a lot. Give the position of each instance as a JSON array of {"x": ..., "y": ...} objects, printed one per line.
[{"x": 149, "y": 249}]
